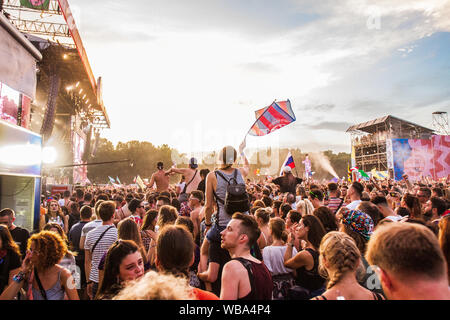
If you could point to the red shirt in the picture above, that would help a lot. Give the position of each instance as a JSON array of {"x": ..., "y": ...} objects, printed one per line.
[{"x": 204, "y": 295}]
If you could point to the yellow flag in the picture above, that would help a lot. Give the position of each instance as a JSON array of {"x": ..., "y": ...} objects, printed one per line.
[{"x": 140, "y": 182}]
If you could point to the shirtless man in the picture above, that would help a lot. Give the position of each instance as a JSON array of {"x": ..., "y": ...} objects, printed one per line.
[
  {"x": 195, "y": 203},
  {"x": 189, "y": 173},
  {"x": 161, "y": 178}
]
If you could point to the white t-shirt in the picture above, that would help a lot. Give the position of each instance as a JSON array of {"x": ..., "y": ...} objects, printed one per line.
[
  {"x": 90, "y": 226},
  {"x": 353, "y": 205},
  {"x": 273, "y": 257},
  {"x": 102, "y": 246}
]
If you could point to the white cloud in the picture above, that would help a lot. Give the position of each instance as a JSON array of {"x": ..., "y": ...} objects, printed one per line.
[{"x": 215, "y": 62}]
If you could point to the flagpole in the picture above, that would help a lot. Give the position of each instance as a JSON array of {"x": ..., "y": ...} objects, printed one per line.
[{"x": 294, "y": 162}]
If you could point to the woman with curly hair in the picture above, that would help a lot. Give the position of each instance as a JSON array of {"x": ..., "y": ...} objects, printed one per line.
[
  {"x": 68, "y": 261},
  {"x": 156, "y": 286},
  {"x": 123, "y": 263},
  {"x": 56, "y": 215},
  {"x": 9, "y": 257},
  {"x": 339, "y": 261},
  {"x": 41, "y": 275}
]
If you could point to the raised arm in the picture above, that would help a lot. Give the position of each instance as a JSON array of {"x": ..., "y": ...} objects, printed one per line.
[
  {"x": 208, "y": 209},
  {"x": 245, "y": 169},
  {"x": 152, "y": 181}
]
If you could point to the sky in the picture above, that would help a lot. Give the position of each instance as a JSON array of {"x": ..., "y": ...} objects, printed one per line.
[{"x": 190, "y": 74}]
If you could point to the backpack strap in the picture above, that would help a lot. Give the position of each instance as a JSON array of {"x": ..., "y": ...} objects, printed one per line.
[
  {"x": 218, "y": 199},
  {"x": 186, "y": 185},
  {"x": 100, "y": 238},
  {"x": 234, "y": 177},
  {"x": 342, "y": 201}
]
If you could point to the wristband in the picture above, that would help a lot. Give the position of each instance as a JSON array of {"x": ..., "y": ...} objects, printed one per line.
[{"x": 19, "y": 277}]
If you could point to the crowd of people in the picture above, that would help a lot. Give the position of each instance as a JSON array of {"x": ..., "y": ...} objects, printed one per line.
[{"x": 219, "y": 235}]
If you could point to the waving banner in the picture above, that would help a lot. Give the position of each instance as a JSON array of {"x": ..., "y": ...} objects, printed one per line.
[{"x": 271, "y": 118}]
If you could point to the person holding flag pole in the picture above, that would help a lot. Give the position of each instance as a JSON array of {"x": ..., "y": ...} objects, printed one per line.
[{"x": 287, "y": 181}]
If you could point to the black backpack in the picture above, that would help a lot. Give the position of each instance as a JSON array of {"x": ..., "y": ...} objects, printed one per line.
[{"x": 236, "y": 197}]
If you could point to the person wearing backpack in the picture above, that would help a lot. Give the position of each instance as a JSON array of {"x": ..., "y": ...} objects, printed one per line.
[{"x": 225, "y": 188}]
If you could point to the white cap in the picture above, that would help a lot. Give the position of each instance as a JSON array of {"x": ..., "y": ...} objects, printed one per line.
[{"x": 287, "y": 169}]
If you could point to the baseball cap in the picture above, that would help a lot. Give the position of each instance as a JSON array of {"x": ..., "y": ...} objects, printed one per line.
[
  {"x": 287, "y": 169},
  {"x": 193, "y": 163}
]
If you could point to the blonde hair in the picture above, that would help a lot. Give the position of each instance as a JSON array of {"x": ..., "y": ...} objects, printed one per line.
[
  {"x": 305, "y": 207},
  {"x": 167, "y": 215},
  {"x": 157, "y": 286},
  {"x": 342, "y": 256}
]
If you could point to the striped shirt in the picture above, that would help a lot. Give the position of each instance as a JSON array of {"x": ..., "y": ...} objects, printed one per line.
[
  {"x": 102, "y": 246},
  {"x": 333, "y": 204}
]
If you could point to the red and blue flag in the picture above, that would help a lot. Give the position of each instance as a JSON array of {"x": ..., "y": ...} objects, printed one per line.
[
  {"x": 289, "y": 162},
  {"x": 271, "y": 118}
]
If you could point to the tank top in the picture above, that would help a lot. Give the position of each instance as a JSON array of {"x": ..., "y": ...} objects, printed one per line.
[
  {"x": 310, "y": 279},
  {"x": 221, "y": 190},
  {"x": 57, "y": 220},
  {"x": 261, "y": 284},
  {"x": 376, "y": 296},
  {"x": 54, "y": 293}
]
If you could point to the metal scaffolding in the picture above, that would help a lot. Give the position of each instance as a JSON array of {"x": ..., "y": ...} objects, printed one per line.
[
  {"x": 48, "y": 23},
  {"x": 440, "y": 123},
  {"x": 369, "y": 140}
]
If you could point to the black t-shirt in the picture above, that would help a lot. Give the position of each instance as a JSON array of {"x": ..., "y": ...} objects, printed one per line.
[
  {"x": 74, "y": 239},
  {"x": 287, "y": 183},
  {"x": 9, "y": 262},
  {"x": 202, "y": 186},
  {"x": 73, "y": 219},
  {"x": 20, "y": 236},
  {"x": 221, "y": 256}
]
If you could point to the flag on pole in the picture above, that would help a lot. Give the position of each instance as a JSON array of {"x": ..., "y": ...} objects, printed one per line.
[
  {"x": 379, "y": 174},
  {"x": 35, "y": 4},
  {"x": 117, "y": 179},
  {"x": 349, "y": 173},
  {"x": 363, "y": 174},
  {"x": 271, "y": 118},
  {"x": 353, "y": 157},
  {"x": 289, "y": 162},
  {"x": 140, "y": 183},
  {"x": 112, "y": 180}
]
